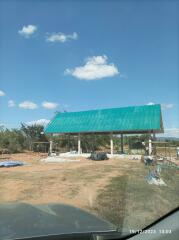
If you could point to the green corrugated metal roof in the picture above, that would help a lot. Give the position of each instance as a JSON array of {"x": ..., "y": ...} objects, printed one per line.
[{"x": 126, "y": 119}]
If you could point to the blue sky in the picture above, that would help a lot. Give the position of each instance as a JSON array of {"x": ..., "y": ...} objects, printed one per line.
[{"x": 80, "y": 55}]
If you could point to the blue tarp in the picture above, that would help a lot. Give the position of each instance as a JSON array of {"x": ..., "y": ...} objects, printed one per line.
[{"x": 11, "y": 164}]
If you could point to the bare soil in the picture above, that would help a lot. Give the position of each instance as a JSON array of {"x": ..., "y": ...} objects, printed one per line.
[
  {"x": 115, "y": 189},
  {"x": 75, "y": 183}
]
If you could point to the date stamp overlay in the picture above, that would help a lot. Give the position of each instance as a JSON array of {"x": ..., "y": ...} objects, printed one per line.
[{"x": 150, "y": 231}]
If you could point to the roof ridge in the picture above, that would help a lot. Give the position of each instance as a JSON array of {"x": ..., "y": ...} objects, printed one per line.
[{"x": 100, "y": 109}]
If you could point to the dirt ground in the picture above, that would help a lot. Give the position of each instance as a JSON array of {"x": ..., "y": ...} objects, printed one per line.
[
  {"x": 75, "y": 183},
  {"x": 115, "y": 189}
]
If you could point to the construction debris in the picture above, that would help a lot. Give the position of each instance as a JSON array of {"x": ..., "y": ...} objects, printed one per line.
[
  {"x": 168, "y": 164},
  {"x": 149, "y": 160},
  {"x": 98, "y": 156},
  {"x": 154, "y": 177},
  {"x": 135, "y": 157},
  {"x": 72, "y": 154},
  {"x": 57, "y": 159}
]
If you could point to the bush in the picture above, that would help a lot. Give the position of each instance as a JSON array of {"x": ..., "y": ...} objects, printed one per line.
[
  {"x": 13, "y": 140},
  {"x": 18, "y": 140}
]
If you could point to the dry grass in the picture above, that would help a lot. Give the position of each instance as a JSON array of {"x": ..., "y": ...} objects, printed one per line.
[
  {"x": 114, "y": 189},
  {"x": 75, "y": 183},
  {"x": 129, "y": 201}
]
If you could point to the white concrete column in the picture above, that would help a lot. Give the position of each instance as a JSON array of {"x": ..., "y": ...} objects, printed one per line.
[
  {"x": 79, "y": 144},
  {"x": 111, "y": 143},
  {"x": 51, "y": 147},
  {"x": 150, "y": 146}
]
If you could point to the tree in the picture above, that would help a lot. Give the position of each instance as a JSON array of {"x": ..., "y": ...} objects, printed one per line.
[
  {"x": 12, "y": 140},
  {"x": 33, "y": 133}
]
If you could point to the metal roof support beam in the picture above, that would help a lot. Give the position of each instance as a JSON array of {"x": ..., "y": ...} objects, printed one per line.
[
  {"x": 79, "y": 143},
  {"x": 111, "y": 143},
  {"x": 122, "y": 144}
]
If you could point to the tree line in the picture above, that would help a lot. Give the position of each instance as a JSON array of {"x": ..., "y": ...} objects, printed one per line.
[
  {"x": 19, "y": 140},
  {"x": 27, "y": 138}
]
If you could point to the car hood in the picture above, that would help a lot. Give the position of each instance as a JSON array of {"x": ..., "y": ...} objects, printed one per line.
[{"x": 19, "y": 220}]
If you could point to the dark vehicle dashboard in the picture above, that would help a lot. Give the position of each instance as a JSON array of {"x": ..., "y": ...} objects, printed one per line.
[{"x": 54, "y": 221}]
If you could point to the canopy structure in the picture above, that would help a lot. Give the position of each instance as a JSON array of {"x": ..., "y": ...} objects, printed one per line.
[{"x": 125, "y": 120}]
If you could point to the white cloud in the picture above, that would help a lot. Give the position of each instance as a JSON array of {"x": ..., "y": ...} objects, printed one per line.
[
  {"x": 164, "y": 106},
  {"x": 2, "y": 93},
  {"x": 49, "y": 105},
  {"x": 61, "y": 37},
  {"x": 11, "y": 103},
  {"x": 167, "y": 106},
  {"x": 28, "y": 30},
  {"x": 28, "y": 105},
  {"x": 96, "y": 67},
  {"x": 150, "y": 103},
  {"x": 42, "y": 122}
]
